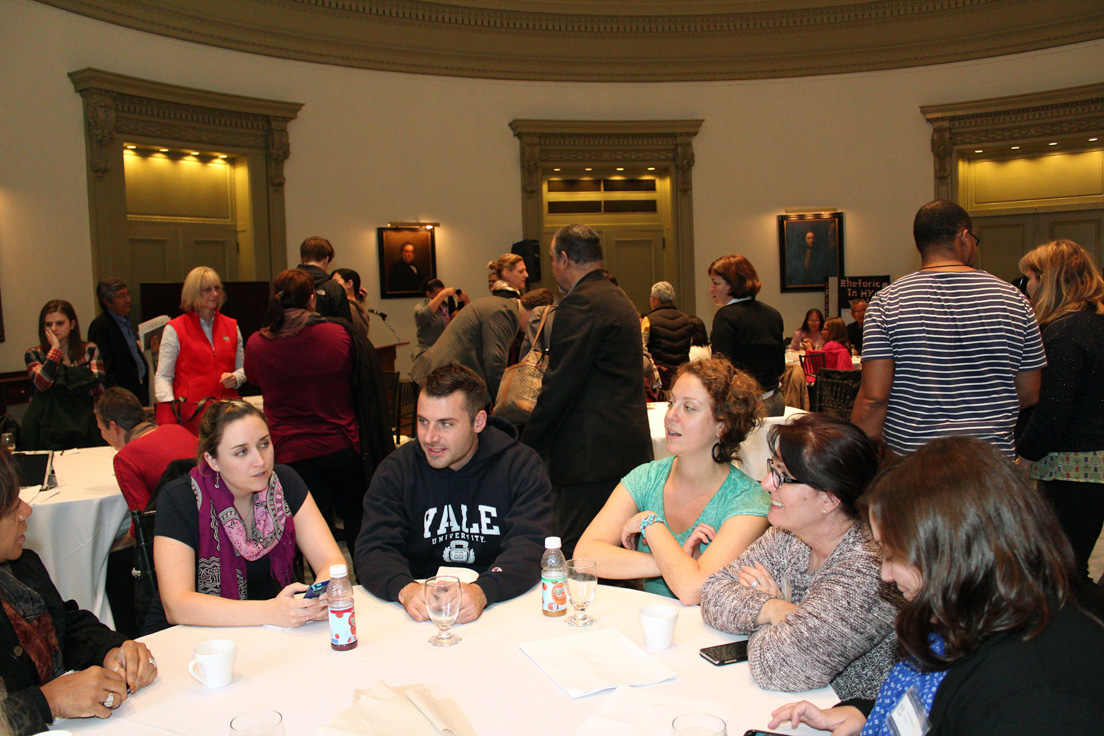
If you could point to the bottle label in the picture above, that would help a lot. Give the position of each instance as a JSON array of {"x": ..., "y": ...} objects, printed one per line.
[
  {"x": 342, "y": 624},
  {"x": 553, "y": 592}
]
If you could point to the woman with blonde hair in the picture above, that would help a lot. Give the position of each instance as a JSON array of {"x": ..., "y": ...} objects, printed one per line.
[
  {"x": 1064, "y": 434},
  {"x": 201, "y": 353},
  {"x": 675, "y": 521},
  {"x": 510, "y": 275}
]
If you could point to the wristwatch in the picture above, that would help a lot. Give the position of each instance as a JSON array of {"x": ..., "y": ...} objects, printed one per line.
[{"x": 648, "y": 520}]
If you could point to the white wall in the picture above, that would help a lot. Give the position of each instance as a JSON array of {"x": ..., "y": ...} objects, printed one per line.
[{"x": 372, "y": 147}]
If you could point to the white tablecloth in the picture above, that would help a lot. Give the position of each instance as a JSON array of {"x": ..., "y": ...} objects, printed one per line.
[
  {"x": 496, "y": 685},
  {"x": 73, "y": 526},
  {"x": 753, "y": 453}
]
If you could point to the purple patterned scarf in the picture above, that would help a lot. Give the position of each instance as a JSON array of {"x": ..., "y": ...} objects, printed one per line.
[{"x": 224, "y": 542}]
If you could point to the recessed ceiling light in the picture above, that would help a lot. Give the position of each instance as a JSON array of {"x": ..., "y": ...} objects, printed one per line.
[
  {"x": 222, "y": 155},
  {"x": 620, "y": 168},
  {"x": 1053, "y": 143},
  {"x": 195, "y": 153},
  {"x": 1015, "y": 148},
  {"x": 131, "y": 146},
  {"x": 651, "y": 168},
  {"x": 978, "y": 150},
  {"x": 556, "y": 169},
  {"x": 1093, "y": 140},
  {"x": 163, "y": 150},
  {"x": 588, "y": 169}
]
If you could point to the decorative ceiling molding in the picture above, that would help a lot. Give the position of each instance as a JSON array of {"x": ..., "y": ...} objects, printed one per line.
[
  {"x": 1018, "y": 119},
  {"x": 628, "y": 41}
]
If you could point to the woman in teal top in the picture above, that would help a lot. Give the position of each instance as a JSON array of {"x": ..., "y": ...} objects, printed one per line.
[{"x": 674, "y": 522}]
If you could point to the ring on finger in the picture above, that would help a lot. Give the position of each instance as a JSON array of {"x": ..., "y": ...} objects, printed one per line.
[
  {"x": 110, "y": 700},
  {"x": 755, "y": 583}
]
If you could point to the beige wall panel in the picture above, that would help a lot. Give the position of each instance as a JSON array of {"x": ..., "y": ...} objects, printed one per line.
[
  {"x": 368, "y": 149},
  {"x": 157, "y": 186},
  {"x": 1041, "y": 178},
  {"x": 1003, "y": 244}
]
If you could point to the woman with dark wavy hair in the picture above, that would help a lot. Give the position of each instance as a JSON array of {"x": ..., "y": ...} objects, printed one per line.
[
  {"x": 808, "y": 591},
  {"x": 1064, "y": 435},
  {"x": 675, "y": 521},
  {"x": 994, "y": 637}
]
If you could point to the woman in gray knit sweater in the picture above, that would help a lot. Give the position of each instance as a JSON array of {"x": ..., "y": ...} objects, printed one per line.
[{"x": 809, "y": 591}]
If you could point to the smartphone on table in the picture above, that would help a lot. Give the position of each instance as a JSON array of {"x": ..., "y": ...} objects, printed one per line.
[{"x": 726, "y": 653}]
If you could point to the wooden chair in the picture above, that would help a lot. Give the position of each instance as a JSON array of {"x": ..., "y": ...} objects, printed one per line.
[
  {"x": 406, "y": 407},
  {"x": 391, "y": 389},
  {"x": 812, "y": 362},
  {"x": 835, "y": 392}
]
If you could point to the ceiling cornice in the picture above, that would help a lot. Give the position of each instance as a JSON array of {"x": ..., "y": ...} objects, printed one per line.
[{"x": 629, "y": 41}]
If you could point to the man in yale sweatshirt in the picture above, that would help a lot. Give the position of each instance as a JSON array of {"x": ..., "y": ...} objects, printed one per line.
[{"x": 466, "y": 494}]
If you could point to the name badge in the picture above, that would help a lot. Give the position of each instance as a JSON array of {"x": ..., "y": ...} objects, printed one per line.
[{"x": 908, "y": 717}]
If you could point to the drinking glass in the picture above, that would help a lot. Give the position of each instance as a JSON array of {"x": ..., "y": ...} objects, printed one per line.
[
  {"x": 442, "y": 598},
  {"x": 698, "y": 724},
  {"x": 258, "y": 723},
  {"x": 582, "y": 581}
]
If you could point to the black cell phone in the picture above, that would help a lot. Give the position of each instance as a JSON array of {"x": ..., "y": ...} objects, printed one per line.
[
  {"x": 753, "y": 732},
  {"x": 726, "y": 653},
  {"x": 317, "y": 589}
]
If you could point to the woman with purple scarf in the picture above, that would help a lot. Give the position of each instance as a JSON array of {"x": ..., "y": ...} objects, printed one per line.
[{"x": 230, "y": 564}]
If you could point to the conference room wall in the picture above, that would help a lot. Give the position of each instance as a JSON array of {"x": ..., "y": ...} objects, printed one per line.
[{"x": 371, "y": 147}]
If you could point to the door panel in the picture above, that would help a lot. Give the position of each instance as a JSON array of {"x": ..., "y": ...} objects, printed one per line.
[
  {"x": 635, "y": 257},
  {"x": 1006, "y": 238}
]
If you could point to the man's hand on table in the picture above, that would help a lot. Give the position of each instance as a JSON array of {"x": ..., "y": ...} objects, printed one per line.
[
  {"x": 472, "y": 602},
  {"x": 412, "y": 598}
]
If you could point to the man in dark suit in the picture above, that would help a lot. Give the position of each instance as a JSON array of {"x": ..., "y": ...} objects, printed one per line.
[
  {"x": 117, "y": 339},
  {"x": 854, "y": 330},
  {"x": 591, "y": 422}
]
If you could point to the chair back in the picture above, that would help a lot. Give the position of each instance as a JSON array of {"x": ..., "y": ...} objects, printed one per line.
[
  {"x": 174, "y": 470},
  {"x": 406, "y": 408},
  {"x": 391, "y": 389},
  {"x": 143, "y": 572},
  {"x": 812, "y": 362},
  {"x": 835, "y": 392}
]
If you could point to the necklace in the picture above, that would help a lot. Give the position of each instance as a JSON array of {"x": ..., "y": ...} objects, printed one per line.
[{"x": 946, "y": 265}]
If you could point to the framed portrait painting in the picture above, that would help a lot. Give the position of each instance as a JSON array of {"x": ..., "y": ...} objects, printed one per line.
[
  {"x": 407, "y": 257},
  {"x": 810, "y": 250}
]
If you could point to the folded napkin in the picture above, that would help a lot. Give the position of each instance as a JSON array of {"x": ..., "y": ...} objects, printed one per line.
[
  {"x": 409, "y": 710},
  {"x": 583, "y": 664},
  {"x": 629, "y": 712}
]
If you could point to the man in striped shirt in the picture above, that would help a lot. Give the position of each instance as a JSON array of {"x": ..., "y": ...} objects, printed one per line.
[{"x": 947, "y": 350}]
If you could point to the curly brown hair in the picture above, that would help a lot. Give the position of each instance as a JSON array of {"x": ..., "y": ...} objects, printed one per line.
[{"x": 733, "y": 399}]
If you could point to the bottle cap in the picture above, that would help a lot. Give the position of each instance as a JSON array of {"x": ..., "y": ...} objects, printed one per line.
[
  {"x": 338, "y": 571},
  {"x": 549, "y": 543}
]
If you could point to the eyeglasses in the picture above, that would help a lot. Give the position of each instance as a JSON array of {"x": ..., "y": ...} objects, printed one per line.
[
  {"x": 776, "y": 475},
  {"x": 977, "y": 240}
]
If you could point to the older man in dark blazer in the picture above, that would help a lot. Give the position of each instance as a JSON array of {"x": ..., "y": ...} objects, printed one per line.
[
  {"x": 117, "y": 339},
  {"x": 591, "y": 421}
]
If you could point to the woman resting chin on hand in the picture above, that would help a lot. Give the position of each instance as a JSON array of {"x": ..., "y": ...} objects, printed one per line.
[
  {"x": 675, "y": 521},
  {"x": 45, "y": 637}
]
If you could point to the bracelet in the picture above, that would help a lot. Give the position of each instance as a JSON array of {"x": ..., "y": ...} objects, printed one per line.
[{"x": 648, "y": 520}]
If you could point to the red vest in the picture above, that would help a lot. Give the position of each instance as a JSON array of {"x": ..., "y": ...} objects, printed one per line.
[{"x": 198, "y": 367}]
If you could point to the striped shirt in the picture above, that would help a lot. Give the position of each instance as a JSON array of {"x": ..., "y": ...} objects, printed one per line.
[{"x": 957, "y": 340}]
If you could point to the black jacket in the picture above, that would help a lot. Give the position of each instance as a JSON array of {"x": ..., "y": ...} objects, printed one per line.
[
  {"x": 119, "y": 366},
  {"x": 669, "y": 334},
  {"x": 330, "y": 299},
  {"x": 591, "y": 420},
  {"x": 83, "y": 639},
  {"x": 854, "y": 334},
  {"x": 491, "y": 516},
  {"x": 752, "y": 336}
]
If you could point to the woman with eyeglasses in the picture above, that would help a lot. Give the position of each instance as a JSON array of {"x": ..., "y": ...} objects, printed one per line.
[
  {"x": 808, "y": 591},
  {"x": 201, "y": 353},
  {"x": 998, "y": 637},
  {"x": 675, "y": 521}
]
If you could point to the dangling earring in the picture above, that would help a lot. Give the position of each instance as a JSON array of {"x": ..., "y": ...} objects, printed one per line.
[{"x": 217, "y": 477}]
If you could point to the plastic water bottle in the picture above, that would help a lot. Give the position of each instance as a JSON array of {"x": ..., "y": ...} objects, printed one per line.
[
  {"x": 342, "y": 619},
  {"x": 553, "y": 575}
]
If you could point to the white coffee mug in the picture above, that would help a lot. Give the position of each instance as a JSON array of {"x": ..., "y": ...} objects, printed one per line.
[
  {"x": 658, "y": 622},
  {"x": 213, "y": 662}
]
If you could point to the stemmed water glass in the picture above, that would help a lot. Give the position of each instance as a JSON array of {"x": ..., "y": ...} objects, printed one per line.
[
  {"x": 698, "y": 724},
  {"x": 582, "y": 581},
  {"x": 442, "y": 599}
]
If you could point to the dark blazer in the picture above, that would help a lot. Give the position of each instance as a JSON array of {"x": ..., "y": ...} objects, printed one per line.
[
  {"x": 83, "y": 639},
  {"x": 591, "y": 422},
  {"x": 751, "y": 335},
  {"x": 119, "y": 365}
]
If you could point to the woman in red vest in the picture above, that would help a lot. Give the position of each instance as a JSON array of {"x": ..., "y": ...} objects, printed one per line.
[{"x": 201, "y": 354}]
